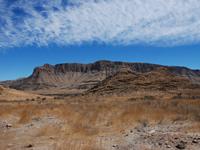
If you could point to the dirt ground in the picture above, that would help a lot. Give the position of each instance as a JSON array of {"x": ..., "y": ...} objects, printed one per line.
[{"x": 100, "y": 124}]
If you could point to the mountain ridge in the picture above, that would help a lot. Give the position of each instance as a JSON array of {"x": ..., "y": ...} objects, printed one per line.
[
  {"x": 8, "y": 83},
  {"x": 85, "y": 76},
  {"x": 159, "y": 80}
]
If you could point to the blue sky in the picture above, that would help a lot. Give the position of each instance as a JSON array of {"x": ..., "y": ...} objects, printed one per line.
[{"x": 33, "y": 33}]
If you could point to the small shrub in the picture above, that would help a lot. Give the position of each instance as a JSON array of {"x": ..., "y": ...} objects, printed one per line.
[
  {"x": 132, "y": 99},
  {"x": 177, "y": 119},
  {"x": 179, "y": 94},
  {"x": 144, "y": 122},
  {"x": 149, "y": 98},
  {"x": 175, "y": 104},
  {"x": 175, "y": 97},
  {"x": 193, "y": 97}
]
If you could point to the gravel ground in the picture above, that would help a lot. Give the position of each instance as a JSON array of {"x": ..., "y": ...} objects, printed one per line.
[{"x": 151, "y": 137}]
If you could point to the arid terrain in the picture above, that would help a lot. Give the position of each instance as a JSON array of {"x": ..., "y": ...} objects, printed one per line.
[
  {"x": 8, "y": 94},
  {"x": 101, "y": 123},
  {"x": 76, "y": 77},
  {"x": 127, "y": 111}
]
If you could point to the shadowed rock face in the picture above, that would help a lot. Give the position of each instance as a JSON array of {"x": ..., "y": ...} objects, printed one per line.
[
  {"x": 8, "y": 83},
  {"x": 85, "y": 76},
  {"x": 125, "y": 82}
]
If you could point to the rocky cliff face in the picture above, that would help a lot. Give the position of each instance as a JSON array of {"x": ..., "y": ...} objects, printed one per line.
[{"x": 85, "y": 76}]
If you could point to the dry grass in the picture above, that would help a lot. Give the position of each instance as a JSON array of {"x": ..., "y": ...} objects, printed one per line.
[
  {"x": 193, "y": 129},
  {"x": 6, "y": 138},
  {"x": 25, "y": 117},
  {"x": 91, "y": 114},
  {"x": 80, "y": 123},
  {"x": 100, "y": 113}
]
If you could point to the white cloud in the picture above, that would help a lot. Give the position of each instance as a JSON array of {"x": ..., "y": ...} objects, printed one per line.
[{"x": 114, "y": 22}]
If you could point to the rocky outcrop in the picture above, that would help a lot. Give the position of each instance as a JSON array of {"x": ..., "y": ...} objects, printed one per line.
[
  {"x": 85, "y": 76},
  {"x": 126, "y": 82}
]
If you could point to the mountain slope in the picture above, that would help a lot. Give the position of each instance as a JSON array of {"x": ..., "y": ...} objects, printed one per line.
[
  {"x": 125, "y": 82},
  {"x": 11, "y": 82},
  {"x": 84, "y": 76},
  {"x": 12, "y": 94}
]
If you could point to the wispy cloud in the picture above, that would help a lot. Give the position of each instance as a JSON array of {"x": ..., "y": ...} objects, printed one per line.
[{"x": 113, "y": 22}]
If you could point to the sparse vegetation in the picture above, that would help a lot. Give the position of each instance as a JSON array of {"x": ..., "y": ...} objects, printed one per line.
[
  {"x": 132, "y": 99},
  {"x": 148, "y": 97},
  {"x": 61, "y": 96},
  {"x": 87, "y": 118}
]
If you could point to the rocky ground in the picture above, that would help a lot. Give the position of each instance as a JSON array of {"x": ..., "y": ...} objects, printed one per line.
[
  {"x": 100, "y": 124},
  {"x": 159, "y": 137},
  {"x": 151, "y": 137}
]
